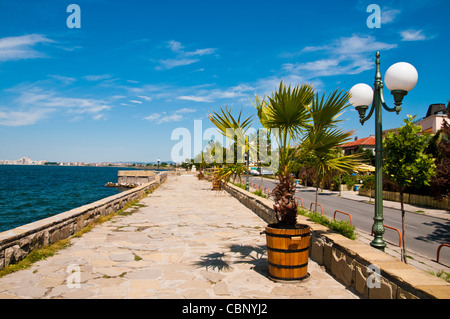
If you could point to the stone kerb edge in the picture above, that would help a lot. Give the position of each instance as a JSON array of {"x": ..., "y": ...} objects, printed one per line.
[
  {"x": 348, "y": 260},
  {"x": 16, "y": 243}
]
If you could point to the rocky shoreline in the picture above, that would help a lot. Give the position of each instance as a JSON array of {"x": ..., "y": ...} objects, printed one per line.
[{"x": 124, "y": 185}]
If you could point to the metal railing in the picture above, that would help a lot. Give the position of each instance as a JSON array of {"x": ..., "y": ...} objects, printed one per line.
[
  {"x": 301, "y": 201},
  {"x": 399, "y": 234},
  {"x": 339, "y": 211},
  {"x": 321, "y": 208},
  {"x": 439, "y": 250}
]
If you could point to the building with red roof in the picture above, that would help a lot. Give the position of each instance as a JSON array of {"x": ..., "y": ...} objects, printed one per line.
[{"x": 367, "y": 143}]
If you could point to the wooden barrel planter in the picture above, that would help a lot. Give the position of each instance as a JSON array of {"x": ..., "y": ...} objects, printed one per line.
[
  {"x": 288, "y": 252},
  {"x": 217, "y": 184}
]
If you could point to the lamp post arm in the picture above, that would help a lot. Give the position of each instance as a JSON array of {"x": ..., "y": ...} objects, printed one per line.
[
  {"x": 396, "y": 109},
  {"x": 372, "y": 108}
]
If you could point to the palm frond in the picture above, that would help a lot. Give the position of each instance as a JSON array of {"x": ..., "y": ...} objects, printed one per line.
[
  {"x": 286, "y": 108},
  {"x": 326, "y": 112},
  {"x": 227, "y": 124},
  {"x": 323, "y": 141}
]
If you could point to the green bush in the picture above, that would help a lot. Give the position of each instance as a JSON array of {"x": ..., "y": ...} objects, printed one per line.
[
  {"x": 239, "y": 185},
  {"x": 342, "y": 227},
  {"x": 259, "y": 193},
  {"x": 349, "y": 180}
]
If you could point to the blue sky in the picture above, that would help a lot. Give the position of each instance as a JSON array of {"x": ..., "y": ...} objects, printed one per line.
[{"x": 116, "y": 88}]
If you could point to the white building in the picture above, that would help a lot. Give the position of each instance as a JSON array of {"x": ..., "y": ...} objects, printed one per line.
[{"x": 436, "y": 115}]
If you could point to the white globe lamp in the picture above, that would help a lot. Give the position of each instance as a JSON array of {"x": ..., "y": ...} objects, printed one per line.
[
  {"x": 361, "y": 96},
  {"x": 401, "y": 78}
]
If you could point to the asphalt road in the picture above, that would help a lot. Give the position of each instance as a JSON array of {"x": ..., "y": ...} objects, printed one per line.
[{"x": 424, "y": 233}]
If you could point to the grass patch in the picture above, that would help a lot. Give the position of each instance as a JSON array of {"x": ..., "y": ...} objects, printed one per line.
[
  {"x": 239, "y": 185},
  {"x": 36, "y": 255},
  {"x": 342, "y": 227},
  {"x": 442, "y": 274},
  {"x": 259, "y": 193}
]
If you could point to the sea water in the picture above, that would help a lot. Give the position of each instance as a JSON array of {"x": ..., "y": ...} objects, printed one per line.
[{"x": 32, "y": 192}]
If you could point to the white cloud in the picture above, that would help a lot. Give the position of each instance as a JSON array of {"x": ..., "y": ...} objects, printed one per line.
[
  {"x": 182, "y": 57},
  {"x": 195, "y": 98},
  {"x": 152, "y": 117},
  {"x": 118, "y": 97},
  {"x": 170, "y": 118},
  {"x": 134, "y": 101},
  {"x": 266, "y": 86},
  {"x": 63, "y": 79},
  {"x": 98, "y": 116},
  {"x": 211, "y": 95},
  {"x": 346, "y": 55},
  {"x": 174, "y": 117},
  {"x": 360, "y": 44},
  {"x": 147, "y": 98},
  {"x": 175, "y": 46},
  {"x": 186, "y": 110},
  {"x": 21, "y": 47},
  {"x": 33, "y": 104},
  {"x": 97, "y": 77},
  {"x": 22, "y": 118},
  {"x": 75, "y": 105},
  {"x": 413, "y": 35},
  {"x": 388, "y": 15},
  {"x": 200, "y": 52},
  {"x": 172, "y": 63}
]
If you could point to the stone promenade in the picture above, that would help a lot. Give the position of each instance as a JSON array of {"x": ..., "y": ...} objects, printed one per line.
[{"x": 183, "y": 241}]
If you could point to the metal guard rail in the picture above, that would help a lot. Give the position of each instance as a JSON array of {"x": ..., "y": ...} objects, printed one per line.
[{"x": 338, "y": 211}]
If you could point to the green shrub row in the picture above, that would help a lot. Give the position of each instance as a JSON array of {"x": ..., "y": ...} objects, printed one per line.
[{"x": 342, "y": 227}]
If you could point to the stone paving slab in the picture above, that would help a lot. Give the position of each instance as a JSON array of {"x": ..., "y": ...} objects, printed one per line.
[{"x": 187, "y": 241}]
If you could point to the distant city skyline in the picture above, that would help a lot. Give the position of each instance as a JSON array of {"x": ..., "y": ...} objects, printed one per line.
[
  {"x": 111, "y": 82},
  {"x": 27, "y": 161}
]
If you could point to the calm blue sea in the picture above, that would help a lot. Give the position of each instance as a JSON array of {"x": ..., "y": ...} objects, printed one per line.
[{"x": 31, "y": 193}]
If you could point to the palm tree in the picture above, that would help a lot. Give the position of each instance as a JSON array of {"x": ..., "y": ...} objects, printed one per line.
[
  {"x": 286, "y": 114},
  {"x": 235, "y": 130},
  {"x": 323, "y": 137},
  {"x": 300, "y": 121}
]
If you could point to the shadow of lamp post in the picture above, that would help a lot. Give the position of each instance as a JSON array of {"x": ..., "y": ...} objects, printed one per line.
[{"x": 400, "y": 78}]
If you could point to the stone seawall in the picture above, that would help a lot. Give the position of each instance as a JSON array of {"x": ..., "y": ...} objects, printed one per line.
[
  {"x": 353, "y": 263},
  {"x": 138, "y": 177},
  {"x": 17, "y": 243}
]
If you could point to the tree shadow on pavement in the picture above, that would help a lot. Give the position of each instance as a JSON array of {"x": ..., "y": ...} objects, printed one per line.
[
  {"x": 237, "y": 254},
  {"x": 213, "y": 261},
  {"x": 441, "y": 233}
]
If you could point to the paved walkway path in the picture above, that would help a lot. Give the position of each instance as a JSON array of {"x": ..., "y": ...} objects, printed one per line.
[{"x": 186, "y": 241}]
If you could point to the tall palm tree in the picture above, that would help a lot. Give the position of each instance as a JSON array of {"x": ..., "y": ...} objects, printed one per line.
[
  {"x": 234, "y": 130},
  {"x": 300, "y": 121},
  {"x": 323, "y": 137},
  {"x": 286, "y": 114}
]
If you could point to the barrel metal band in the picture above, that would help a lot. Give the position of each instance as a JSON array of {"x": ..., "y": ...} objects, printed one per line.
[
  {"x": 288, "y": 251},
  {"x": 287, "y": 236},
  {"x": 288, "y": 278},
  {"x": 288, "y": 267}
]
